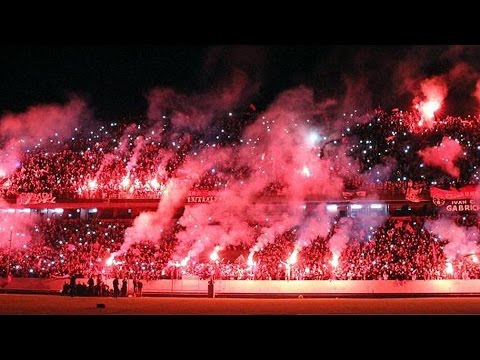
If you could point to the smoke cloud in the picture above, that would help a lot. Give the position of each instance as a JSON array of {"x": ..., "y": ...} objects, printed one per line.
[
  {"x": 443, "y": 156},
  {"x": 197, "y": 111},
  {"x": 17, "y": 225},
  {"x": 279, "y": 152},
  {"x": 24, "y": 130},
  {"x": 339, "y": 240},
  {"x": 461, "y": 241}
]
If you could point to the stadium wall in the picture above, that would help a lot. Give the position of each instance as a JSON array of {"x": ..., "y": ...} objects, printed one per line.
[{"x": 265, "y": 288}]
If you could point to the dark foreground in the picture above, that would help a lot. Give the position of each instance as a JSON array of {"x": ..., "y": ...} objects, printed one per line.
[{"x": 11, "y": 304}]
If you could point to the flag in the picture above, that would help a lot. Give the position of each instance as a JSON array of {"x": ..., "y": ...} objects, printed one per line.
[
  {"x": 361, "y": 193},
  {"x": 240, "y": 259},
  {"x": 348, "y": 194},
  {"x": 413, "y": 194},
  {"x": 66, "y": 276}
]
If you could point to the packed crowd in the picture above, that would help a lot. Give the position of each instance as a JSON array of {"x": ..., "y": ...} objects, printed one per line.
[
  {"x": 122, "y": 160},
  {"x": 116, "y": 161},
  {"x": 399, "y": 248},
  {"x": 60, "y": 248},
  {"x": 395, "y": 138}
]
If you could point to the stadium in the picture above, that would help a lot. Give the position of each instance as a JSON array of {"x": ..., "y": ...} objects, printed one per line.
[{"x": 203, "y": 197}]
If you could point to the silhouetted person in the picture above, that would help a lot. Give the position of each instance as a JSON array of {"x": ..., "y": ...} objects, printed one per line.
[
  {"x": 140, "y": 288},
  {"x": 124, "y": 287},
  {"x": 116, "y": 289},
  {"x": 91, "y": 288},
  {"x": 73, "y": 285},
  {"x": 135, "y": 286},
  {"x": 99, "y": 288},
  {"x": 211, "y": 292},
  {"x": 66, "y": 288}
]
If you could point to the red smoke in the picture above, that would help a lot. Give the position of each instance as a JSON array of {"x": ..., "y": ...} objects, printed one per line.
[
  {"x": 461, "y": 241},
  {"x": 434, "y": 91},
  {"x": 443, "y": 156},
  {"x": 273, "y": 148},
  {"x": 151, "y": 225},
  {"x": 318, "y": 223},
  {"x": 197, "y": 111},
  {"x": 39, "y": 122},
  {"x": 339, "y": 240},
  {"x": 18, "y": 225}
]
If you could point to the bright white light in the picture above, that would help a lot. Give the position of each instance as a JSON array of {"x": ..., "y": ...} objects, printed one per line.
[
  {"x": 306, "y": 171},
  {"x": 449, "y": 268},
  {"x": 214, "y": 255},
  {"x": 332, "y": 207},
  {"x": 293, "y": 258},
  {"x": 250, "y": 259},
  {"x": 429, "y": 108},
  {"x": 334, "y": 261},
  {"x": 58, "y": 210},
  {"x": 125, "y": 181},
  {"x": 109, "y": 261},
  {"x": 154, "y": 184},
  {"x": 184, "y": 261},
  {"x": 356, "y": 206},
  {"x": 313, "y": 138},
  {"x": 376, "y": 206}
]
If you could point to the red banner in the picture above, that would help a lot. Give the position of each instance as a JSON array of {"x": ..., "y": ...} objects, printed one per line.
[
  {"x": 348, "y": 195},
  {"x": 201, "y": 199},
  {"x": 413, "y": 194},
  {"x": 466, "y": 192},
  {"x": 33, "y": 198}
]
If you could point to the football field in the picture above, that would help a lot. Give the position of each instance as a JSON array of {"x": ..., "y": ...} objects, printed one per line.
[{"x": 13, "y": 304}]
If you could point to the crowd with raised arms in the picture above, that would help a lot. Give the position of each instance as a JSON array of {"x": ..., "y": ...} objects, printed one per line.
[
  {"x": 396, "y": 249},
  {"x": 123, "y": 160},
  {"x": 130, "y": 160},
  {"x": 63, "y": 247},
  {"x": 397, "y": 136}
]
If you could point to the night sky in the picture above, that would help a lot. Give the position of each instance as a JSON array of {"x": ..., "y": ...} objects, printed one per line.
[{"x": 115, "y": 78}]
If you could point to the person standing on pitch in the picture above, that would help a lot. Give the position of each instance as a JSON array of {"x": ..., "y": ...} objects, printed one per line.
[{"x": 116, "y": 289}]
